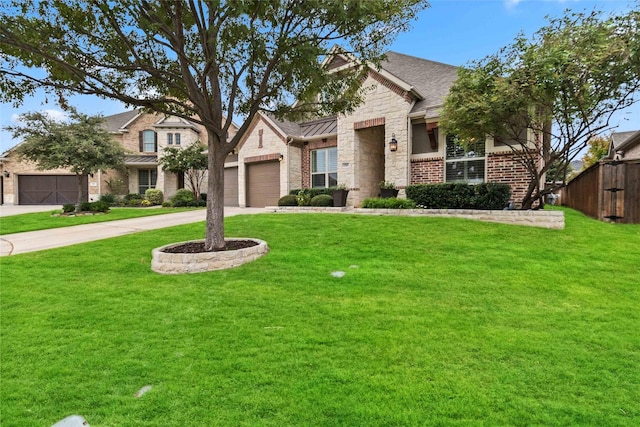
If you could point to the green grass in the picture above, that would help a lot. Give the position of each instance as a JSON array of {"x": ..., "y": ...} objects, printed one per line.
[
  {"x": 443, "y": 322},
  {"x": 46, "y": 220}
]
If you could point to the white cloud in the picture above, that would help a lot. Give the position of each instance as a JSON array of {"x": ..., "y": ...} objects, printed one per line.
[
  {"x": 57, "y": 115},
  {"x": 511, "y": 4}
]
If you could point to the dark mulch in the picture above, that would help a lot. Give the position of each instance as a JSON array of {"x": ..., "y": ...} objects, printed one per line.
[{"x": 198, "y": 247}]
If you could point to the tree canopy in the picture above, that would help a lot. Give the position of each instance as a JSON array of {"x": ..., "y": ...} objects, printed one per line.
[
  {"x": 209, "y": 61},
  {"x": 564, "y": 85},
  {"x": 190, "y": 161},
  {"x": 81, "y": 145},
  {"x": 597, "y": 149}
]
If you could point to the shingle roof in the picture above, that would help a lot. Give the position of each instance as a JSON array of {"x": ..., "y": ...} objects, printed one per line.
[
  {"x": 432, "y": 79},
  {"x": 289, "y": 128},
  {"x": 620, "y": 137},
  {"x": 114, "y": 122}
]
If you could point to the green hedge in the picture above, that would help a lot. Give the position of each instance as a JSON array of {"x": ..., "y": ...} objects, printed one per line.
[
  {"x": 388, "y": 203},
  {"x": 460, "y": 196},
  {"x": 313, "y": 192},
  {"x": 288, "y": 200},
  {"x": 322, "y": 200}
]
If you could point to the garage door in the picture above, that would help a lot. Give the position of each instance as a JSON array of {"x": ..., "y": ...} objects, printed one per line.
[
  {"x": 263, "y": 184},
  {"x": 49, "y": 189},
  {"x": 231, "y": 186}
]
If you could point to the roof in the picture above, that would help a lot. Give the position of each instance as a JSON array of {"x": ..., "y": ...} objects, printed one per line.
[
  {"x": 141, "y": 160},
  {"x": 431, "y": 79},
  {"x": 116, "y": 122},
  {"x": 324, "y": 126},
  {"x": 622, "y": 141}
]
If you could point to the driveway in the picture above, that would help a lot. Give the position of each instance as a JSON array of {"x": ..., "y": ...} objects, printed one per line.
[
  {"x": 8, "y": 210},
  {"x": 31, "y": 241}
]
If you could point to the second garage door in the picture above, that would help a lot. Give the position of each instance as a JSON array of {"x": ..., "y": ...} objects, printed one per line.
[
  {"x": 263, "y": 184},
  {"x": 49, "y": 189}
]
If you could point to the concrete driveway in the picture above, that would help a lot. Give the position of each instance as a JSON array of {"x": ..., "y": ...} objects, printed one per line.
[
  {"x": 31, "y": 241},
  {"x": 8, "y": 210}
]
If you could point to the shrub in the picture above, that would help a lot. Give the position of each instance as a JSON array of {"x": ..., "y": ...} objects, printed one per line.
[
  {"x": 166, "y": 204},
  {"x": 203, "y": 197},
  {"x": 182, "y": 198},
  {"x": 155, "y": 196},
  {"x": 133, "y": 196},
  {"x": 108, "y": 198},
  {"x": 389, "y": 203},
  {"x": 135, "y": 202},
  {"x": 68, "y": 207},
  {"x": 304, "y": 197},
  {"x": 145, "y": 202},
  {"x": 313, "y": 192},
  {"x": 322, "y": 200},
  {"x": 100, "y": 206},
  {"x": 460, "y": 196},
  {"x": 196, "y": 203},
  {"x": 85, "y": 207},
  {"x": 288, "y": 200}
]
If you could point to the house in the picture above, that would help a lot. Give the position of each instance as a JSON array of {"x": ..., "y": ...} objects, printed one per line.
[
  {"x": 402, "y": 106},
  {"x": 143, "y": 136},
  {"x": 624, "y": 145}
]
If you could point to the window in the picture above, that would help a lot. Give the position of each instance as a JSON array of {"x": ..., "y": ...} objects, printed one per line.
[
  {"x": 464, "y": 163},
  {"x": 146, "y": 179},
  {"x": 169, "y": 139},
  {"x": 177, "y": 137},
  {"x": 324, "y": 167},
  {"x": 148, "y": 141}
]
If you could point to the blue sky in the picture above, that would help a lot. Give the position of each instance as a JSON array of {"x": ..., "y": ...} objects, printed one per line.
[{"x": 450, "y": 31}]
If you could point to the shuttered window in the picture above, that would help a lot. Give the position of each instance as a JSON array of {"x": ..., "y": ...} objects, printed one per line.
[
  {"x": 464, "y": 162},
  {"x": 324, "y": 167},
  {"x": 148, "y": 141}
]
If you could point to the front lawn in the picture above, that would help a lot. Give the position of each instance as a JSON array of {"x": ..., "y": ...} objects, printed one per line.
[
  {"x": 46, "y": 220},
  {"x": 436, "y": 321}
]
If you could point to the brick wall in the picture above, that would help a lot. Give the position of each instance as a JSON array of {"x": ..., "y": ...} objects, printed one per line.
[
  {"x": 427, "y": 171},
  {"x": 503, "y": 168}
]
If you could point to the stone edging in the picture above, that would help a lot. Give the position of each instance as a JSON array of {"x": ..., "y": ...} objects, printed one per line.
[
  {"x": 539, "y": 218},
  {"x": 168, "y": 263}
]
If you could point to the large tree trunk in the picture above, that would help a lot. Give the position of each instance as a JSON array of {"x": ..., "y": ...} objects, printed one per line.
[
  {"x": 214, "y": 238},
  {"x": 79, "y": 198}
]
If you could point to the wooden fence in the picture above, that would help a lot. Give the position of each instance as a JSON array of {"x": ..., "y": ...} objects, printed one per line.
[{"x": 608, "y": 191}]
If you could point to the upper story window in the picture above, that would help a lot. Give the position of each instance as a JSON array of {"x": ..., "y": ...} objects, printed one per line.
[
  {"x": 177, "y": 138},
  {"x": 148, "y": 141},
  {"x": 324, "y": 167},
  {"x": 464, "y": 163},
  {"x": 169, "y": 139}
]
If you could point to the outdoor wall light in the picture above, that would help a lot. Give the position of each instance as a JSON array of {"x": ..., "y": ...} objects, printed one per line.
[
  {"x": 6, "y": 174},
  {"x": 393, "y": 144},
  {"x": 281, "y": 158}
]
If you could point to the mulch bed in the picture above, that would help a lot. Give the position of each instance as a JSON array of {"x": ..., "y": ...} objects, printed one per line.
[{"x": 198, "y": 247}]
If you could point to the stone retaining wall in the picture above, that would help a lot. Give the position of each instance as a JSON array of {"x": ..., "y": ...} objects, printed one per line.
[
  {"x": 170, "y": 263},
  {"x": 543, "y": 219}
]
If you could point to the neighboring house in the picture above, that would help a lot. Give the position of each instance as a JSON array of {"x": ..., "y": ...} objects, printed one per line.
[
  {"x": 402, "y": 104},
  {"x": 624, "y": 145},
  {"x": 143, "y": 136}
]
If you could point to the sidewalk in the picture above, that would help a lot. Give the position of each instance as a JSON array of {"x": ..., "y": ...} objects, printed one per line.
[{"x": 31, "y": 241}]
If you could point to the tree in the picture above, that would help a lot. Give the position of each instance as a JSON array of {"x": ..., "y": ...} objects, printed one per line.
[
  {"x": 564, "y": 85},
  {"x": 207, "y": 61},
  {"x": 597, "y": 149},
  {"x": 81, "y": 146},
  {"x": 190, "y": 161}
]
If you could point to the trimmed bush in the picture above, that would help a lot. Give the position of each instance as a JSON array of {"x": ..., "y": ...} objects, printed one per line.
[
  {"x": 460, "y": 195},
  {"x": 108, "y": 198},
  {"x": 133, "y": 196},
  {"x": 100, "y": 206},
  {"x": 85, "y": 207},
  {"x": 322, "y": 200},
  {"x": 135, "y": 202},
  {"x": 196, "y": 204},
  {"x": 388, "y": 203},
  {"x": 166, "y": 204},
  {"x": 288, "y": 200},
  {"x": 182, "y": 198},
  {"x": 68, "y": 207},
  {"x": 313, "y": 192},
  {"x": 155, "y": 196}
]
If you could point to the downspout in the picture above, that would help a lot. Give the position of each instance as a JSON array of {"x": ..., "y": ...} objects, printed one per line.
[{"x": 99, "y": 184}]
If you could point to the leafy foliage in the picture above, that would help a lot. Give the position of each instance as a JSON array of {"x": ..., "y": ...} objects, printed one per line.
[
  {"x": 182, "y": 198},
  {"x": 460, "y": 196},
  {"x": 190, "y": 161},
  {"x": 322, "y": 200},
  {"x": 564, "y": 85},
  {"x": 388, "y": 203},
  {"x": 598, "y": 148},
  {"x": 208, "y": 62},
  {"x": 154, "y": 195},
  {"x": 288, "y": 200},
  {"x": 81, "y": 146}
]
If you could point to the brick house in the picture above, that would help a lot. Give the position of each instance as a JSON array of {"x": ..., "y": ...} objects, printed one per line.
[
  {"x": 143, "y": 136},
  {"x": 402, "y": 104}
]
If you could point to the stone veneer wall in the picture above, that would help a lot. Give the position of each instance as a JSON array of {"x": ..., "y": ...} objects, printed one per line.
[{"x": 427, "y": 171}]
